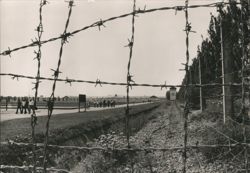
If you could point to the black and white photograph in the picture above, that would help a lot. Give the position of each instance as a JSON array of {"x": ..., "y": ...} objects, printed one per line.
[{"x": 124, "y": 86}]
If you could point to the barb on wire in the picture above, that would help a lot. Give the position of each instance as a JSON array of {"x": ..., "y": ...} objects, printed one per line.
[
  {"x": 71, "y": 3},
  {"x": 56, "y": 72},
  {"x": 130, "y": 43},
  {"x": 164, "y": 85},
  {"x": 36, "y": 85},
  {"x": 44, "y": 2},
  {"x": 130, "y": 81},
  {"x": 189, "y": 28},
  {"x": 69, "y": 81},
  {"x": 140, "y": 10},
  {"x": 39, "y": 28},
  {"x": 179, "y": 8},
  {"x": 38, "y": 55},
  {"x": 100, "y": 24},
  {"x": 7, "y": 52},
  {"x": 15, "y": 77},
  {"x": 98, "y": 82},
  {"x": 64, "y": 37},
  {"x": 36, "y": 42},
  {"x": 95, "y": 24}
]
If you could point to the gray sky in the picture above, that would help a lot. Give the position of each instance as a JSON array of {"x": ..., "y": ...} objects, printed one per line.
[{"x": 159, "y": 47}]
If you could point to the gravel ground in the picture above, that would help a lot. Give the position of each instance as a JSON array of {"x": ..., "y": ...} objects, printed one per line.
[{"x": 165, "y": 130}]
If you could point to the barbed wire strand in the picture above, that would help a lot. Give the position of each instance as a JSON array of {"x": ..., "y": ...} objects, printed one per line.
[
  {"x": 68, "y": 80},
  {"x": 101, "y": 23},
  {"x": 187, "y": 81},
  {"x": 129, "y": 76},
  {"x": 64, "y": 38},
  {"x": 38, "y": 57}
]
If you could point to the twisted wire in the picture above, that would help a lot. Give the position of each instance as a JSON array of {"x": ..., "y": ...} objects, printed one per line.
[
  {"x": 39, "y": 30},
  {"x": 64, "y": 38},
  {"x": 129, "y": 76},
  {"x": 102, "y": 22},
  {"x": 99, "y": 82},
  {"x": 186, "y": 89}
]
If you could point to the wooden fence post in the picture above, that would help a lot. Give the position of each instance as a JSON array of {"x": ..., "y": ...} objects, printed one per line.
[
  {"x": 200, "y": 81},
  {"x": 227, "y": 75}
]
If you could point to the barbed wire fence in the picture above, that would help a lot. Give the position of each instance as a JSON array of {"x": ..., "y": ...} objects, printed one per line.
[
  {"x": 186, "y": 89},
  {"x": 38, "y": 57},
  {"x": 129, "y": 76},
  {"x": 64, "y": 40},
  {"x": 129, "y": 84}
]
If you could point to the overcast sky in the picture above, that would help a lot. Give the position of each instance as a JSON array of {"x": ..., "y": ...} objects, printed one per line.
[{"x": 159, "y": 47}]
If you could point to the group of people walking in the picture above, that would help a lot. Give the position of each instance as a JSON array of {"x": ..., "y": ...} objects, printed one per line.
[
  {"x": 25, "y": 105},
  {"x": 104, "y": 103}
]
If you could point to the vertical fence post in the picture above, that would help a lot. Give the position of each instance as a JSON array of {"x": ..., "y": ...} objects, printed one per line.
[
  {"x": 222, "y": 71},
  {"x": 200, "y": 81},
  {"x": 227, "y": 66},
  {"x": 79, "y": 106}
]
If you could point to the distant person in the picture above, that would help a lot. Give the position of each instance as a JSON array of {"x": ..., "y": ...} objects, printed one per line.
[
  {"x": 50, "y": 106},
  {"x": 112, "y": 103},
  {"x": 19, "y": 106},
  {"x": 108, "y": 103},
  {"x": 23, "y": 107},
  {"x": 104, "y": 103},
  {"x": 31, "y": 105},
  {"x": 27, "y": 107},
  {"x": 6, "y": 104}
]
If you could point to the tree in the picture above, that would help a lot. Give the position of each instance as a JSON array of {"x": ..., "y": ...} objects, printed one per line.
[{"x": 209, "y": 52}]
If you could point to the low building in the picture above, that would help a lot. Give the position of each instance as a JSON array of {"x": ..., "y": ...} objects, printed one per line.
[{"x": 172, "y": 92}]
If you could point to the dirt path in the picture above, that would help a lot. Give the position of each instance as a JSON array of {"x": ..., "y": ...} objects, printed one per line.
[{"x": 165, "y": 130}]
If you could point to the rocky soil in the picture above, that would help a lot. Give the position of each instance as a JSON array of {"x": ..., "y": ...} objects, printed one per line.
[{"x": 163, "y": 131}]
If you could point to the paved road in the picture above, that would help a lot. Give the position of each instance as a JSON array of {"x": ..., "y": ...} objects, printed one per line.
[{"x": 11, "y": 113}]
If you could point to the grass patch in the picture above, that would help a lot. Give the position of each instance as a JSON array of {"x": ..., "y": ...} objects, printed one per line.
[{"x": 66, "y": 127}]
